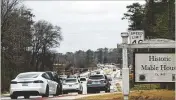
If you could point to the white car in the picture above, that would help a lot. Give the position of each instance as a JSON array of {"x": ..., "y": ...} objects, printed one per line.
[
  {"x": 83, "y": 79},
  {"x": 32, "y": 84},
  {"x": 72, "y": 85}
]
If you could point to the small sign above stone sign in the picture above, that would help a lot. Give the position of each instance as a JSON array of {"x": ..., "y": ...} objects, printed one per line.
[
  {"x": 136, "y": 36},
  {"x": 154, "y": 67}
]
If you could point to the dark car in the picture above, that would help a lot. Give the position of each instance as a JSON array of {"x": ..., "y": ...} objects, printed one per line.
[
  {"x": 97, "y": 83},
  {"x": 55, "y": 77}
]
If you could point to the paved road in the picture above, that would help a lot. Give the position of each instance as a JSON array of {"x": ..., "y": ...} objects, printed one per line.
[{"x": 72, "y": 96}]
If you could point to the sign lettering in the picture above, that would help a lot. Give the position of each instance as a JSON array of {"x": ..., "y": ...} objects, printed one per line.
[{"x": 136, "y": 37}]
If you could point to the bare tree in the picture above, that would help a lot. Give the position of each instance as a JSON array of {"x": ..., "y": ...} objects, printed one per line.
[
  {"x": 7, "y": 7},
  {"x": 46, "y": 36},
  {"x": 15, "y": 39}
]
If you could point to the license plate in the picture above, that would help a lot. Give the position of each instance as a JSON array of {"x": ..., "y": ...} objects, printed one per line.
[
  {"x": 95, "y": 83},
  {"x": 24, "y": 84}
]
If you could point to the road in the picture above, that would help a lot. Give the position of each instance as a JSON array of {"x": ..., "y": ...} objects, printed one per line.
[{"x": 115, "y": 79}]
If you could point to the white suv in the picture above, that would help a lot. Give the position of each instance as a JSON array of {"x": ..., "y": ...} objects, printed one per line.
[{"x": 72, "y": 85}]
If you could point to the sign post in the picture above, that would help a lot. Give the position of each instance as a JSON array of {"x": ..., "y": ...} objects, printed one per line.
[{"x": 125, "y": 69}]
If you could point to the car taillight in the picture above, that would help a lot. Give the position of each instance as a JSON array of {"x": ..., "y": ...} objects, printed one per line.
[
  {"x": 13, "y": 82},
  {"x": 38, "y": 81}
]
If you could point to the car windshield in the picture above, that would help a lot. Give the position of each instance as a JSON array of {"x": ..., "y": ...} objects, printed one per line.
[
  {"x": 96, "y": 77},
  {"x": 28, "y": 75},
  {"x": 82, "y": 79},
  {"x": 70, "y": 80}
]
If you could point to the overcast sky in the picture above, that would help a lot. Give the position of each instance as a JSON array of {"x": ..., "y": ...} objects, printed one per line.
[{"x": 85, "y": 24}]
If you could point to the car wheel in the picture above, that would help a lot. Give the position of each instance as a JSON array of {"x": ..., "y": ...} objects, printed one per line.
[
  {"x": 26, "y": 97},
  {"x": 46, "y": 92},
  {"x": 79, "y": 92},
  {"x": 13, "y": 96},
  {"x": 64, "y": 92}
]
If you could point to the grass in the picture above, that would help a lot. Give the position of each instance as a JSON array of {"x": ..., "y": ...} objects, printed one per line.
[{"x": 136, "y": 95}]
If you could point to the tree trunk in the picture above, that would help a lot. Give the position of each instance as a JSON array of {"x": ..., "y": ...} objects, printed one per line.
[
  {"x": 43, "y": 58},
  {"x": 36, "y": 65}
]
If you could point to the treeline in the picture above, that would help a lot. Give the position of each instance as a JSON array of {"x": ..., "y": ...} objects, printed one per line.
[
  {"x": 89, "y": 58},
  {"x": 157, "y": 19},
  {"x": 25, "y": 44}
]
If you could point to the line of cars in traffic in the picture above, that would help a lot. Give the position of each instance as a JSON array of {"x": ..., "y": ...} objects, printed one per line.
[
  {"x": 50, "y": 83},
  {"x": 44, "y": 84}
]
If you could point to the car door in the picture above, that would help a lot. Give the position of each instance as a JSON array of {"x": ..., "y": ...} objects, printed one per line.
[
  {"x": 55, "y": 83},
  {"x": 45, "y": 75},
  {"x": 50, "y": 83}
]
